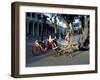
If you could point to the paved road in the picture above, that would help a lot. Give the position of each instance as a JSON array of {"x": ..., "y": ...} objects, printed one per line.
[{"x": 79, "y": 57}]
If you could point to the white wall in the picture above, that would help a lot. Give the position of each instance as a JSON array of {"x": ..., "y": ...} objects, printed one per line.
[{"x": 5, "y": 40}]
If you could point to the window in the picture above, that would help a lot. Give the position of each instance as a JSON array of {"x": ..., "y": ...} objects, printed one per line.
[
  {"x": 33, "y": 15},
  {"x": 28, "y": 14}
]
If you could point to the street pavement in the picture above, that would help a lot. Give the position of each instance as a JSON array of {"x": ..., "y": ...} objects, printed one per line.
[{"x": 77, "y": 58}]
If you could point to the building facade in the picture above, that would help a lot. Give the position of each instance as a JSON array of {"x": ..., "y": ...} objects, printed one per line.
[{"x": 37, "y": 25}]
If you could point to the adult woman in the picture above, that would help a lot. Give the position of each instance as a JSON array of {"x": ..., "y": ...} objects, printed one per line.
[{"x": 67, "y": 39}]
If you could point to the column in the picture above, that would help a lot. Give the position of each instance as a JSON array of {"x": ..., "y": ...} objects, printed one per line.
[
  {"x": 33, "y": 29},
  {"x": 27, "y": 26},
  {"x": 46, "y": 28},
  {"x": 37, "y": 28},
  {"x": 41, "y": 28},
  {"x": 41, "y": 31}
]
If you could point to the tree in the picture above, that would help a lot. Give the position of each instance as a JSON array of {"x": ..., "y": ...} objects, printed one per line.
[
  {"x": 85, "y": 25},
  {"x": 54, "y": 21},
  {"x": 85, "y": 29},
  {"x": 68, "y": 21}
]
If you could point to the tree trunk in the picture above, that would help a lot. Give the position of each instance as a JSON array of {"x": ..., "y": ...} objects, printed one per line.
[
  {"x": 85, "y": 30},
  {"x": 54, "y": 24}
]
